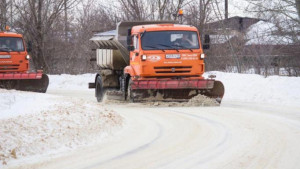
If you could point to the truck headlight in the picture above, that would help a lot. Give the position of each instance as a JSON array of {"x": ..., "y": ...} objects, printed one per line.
[
  {"x": 27, "y": 57},
  {"x": 202, "y": 56},
  {"x": 144, "y": 57}
]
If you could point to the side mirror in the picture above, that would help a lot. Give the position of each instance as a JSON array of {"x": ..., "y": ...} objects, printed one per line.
[
  {"x": 129, "y": 40},
  {"x": 206, "y": 39},
  {"x": 206, "y": 47},
  {"x": 130, "y": 48},
  {"x": 29, "y": 46},
  {"x": 206, "y": 44}
]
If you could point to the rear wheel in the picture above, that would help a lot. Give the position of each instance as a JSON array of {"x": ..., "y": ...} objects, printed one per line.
[
  {"x": 129, "y": 92},
  {"x": 100, "y": 91}
]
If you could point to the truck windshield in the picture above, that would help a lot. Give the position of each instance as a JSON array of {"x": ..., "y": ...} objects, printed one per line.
[
  {"x": 170, "y": 40},
  {"x": 10, "y": 44}
]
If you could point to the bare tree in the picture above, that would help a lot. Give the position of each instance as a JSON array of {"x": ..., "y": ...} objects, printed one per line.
[
  {"x": 134, "y": 9},
  {"x": 37, "y": 18},
  {"x": 285, "y": 14},
  {"x": 199, "y": 14},
  {"x": 3, "y": 13}
]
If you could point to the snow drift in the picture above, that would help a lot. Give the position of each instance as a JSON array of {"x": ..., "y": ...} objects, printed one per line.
[
  {"x": 33, "y": 124},
  {"x": 279, "y": 90}
]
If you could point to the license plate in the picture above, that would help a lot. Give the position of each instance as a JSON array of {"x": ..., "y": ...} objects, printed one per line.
[
  {"x": 173, "y": 56},
  {"x": 5, "y": 56}
]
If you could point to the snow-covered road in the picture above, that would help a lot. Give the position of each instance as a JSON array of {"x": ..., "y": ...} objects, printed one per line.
[
  {"x": 236, "y": 135},
  {"x": 233, "y": 136}
]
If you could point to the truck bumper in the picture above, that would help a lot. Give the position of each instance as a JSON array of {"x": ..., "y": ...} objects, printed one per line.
[{"x": 172, "y": 84}]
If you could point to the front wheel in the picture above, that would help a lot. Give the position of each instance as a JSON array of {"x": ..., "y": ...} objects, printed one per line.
[{"x": 100, "y": 91}]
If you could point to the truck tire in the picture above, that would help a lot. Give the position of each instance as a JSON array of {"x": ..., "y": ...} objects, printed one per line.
[
  {"x": 100, "y": 91},
  {"x": 129, "y": 92}
]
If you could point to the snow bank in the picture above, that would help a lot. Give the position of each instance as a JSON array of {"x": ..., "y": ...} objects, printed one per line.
[
  {"x": 255, "y": 88},
  {"x": 71, "y": 82},
  {"x": 35, "y": 125},
  {"x": 68, "y": 125},
  {"x": 14, "y": 103}
]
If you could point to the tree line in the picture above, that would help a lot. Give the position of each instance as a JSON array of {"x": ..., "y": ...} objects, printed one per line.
[{"x": 59, "y": 30}]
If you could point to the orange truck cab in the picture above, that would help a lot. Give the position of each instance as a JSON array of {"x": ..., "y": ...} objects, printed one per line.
[
  {"x": 165, "y": 50},
  {"x": 13, "y": 53}
]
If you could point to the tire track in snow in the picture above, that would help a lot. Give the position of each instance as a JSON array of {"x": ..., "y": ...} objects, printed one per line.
[
  {"x": 133, "y": 151},
  {"x": 215, "y": 150}
]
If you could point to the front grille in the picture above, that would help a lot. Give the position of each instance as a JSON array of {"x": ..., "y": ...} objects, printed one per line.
[
  {"x": 174, "y": 69},
  {"x": 9, "y": 67}
]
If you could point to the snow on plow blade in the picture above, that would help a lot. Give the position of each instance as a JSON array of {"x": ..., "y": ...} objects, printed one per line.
[
  {"x": 34, "y": 82},
  {"x": 175, "y": 90}
]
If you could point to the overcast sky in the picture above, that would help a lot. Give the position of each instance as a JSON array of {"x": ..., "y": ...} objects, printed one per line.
[{"x": 237, "y": 8}]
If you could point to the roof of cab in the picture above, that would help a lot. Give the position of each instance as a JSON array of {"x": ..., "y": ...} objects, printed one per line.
[
  {"x": 10, "y": 34},
  {"x": 163, "y": 27}
]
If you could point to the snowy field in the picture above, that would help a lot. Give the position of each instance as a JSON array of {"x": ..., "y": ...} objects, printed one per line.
[
  {"x": 279, "y": 90},
  {"x": 40, "y": 125}
]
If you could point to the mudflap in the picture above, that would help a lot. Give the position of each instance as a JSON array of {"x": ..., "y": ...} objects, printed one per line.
[
  {"x": 32, "y": 85},
  {"x": 177, "y": 95}
]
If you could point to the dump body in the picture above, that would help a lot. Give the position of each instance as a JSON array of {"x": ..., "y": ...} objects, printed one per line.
[{"x": 14, "y": 65}]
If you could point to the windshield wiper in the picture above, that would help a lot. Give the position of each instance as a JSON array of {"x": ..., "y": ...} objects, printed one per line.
[
  {"x": 168, "y": 46},
  {"x": 5, "y": 49},
  {"x": 154, "y": 47},
  {"x": 183, "y": 47}
]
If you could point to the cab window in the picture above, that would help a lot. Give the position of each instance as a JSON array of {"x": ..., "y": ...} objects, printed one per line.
[{"x": 11, "y": 44}]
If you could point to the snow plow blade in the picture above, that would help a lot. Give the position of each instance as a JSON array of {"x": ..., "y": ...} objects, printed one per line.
[
  {"x": 33, "y": 82},
  {"x": 175, "y": 91}
]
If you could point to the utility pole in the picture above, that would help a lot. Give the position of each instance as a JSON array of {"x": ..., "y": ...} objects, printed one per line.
[
  {"x": 226, "y": 9},
  {"x": 201, "y": 18},
  {"x": 66, "y": 20},
  {"x": 11, "y": 13}
]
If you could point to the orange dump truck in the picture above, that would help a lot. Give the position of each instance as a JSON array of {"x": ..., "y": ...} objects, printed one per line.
[
  {"x": 14, "y": 65},
  {"x": 152, "y": 61}
]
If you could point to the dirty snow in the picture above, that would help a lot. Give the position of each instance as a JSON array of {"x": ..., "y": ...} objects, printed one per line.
[
  {"x": 34, "y": 124},
  {"x": 67, "y": 127}
]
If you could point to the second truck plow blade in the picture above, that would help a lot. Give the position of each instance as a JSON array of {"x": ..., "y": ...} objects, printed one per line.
[
  {"x": 178, "y": 91},
  {"x": 39, "y": 83}
]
